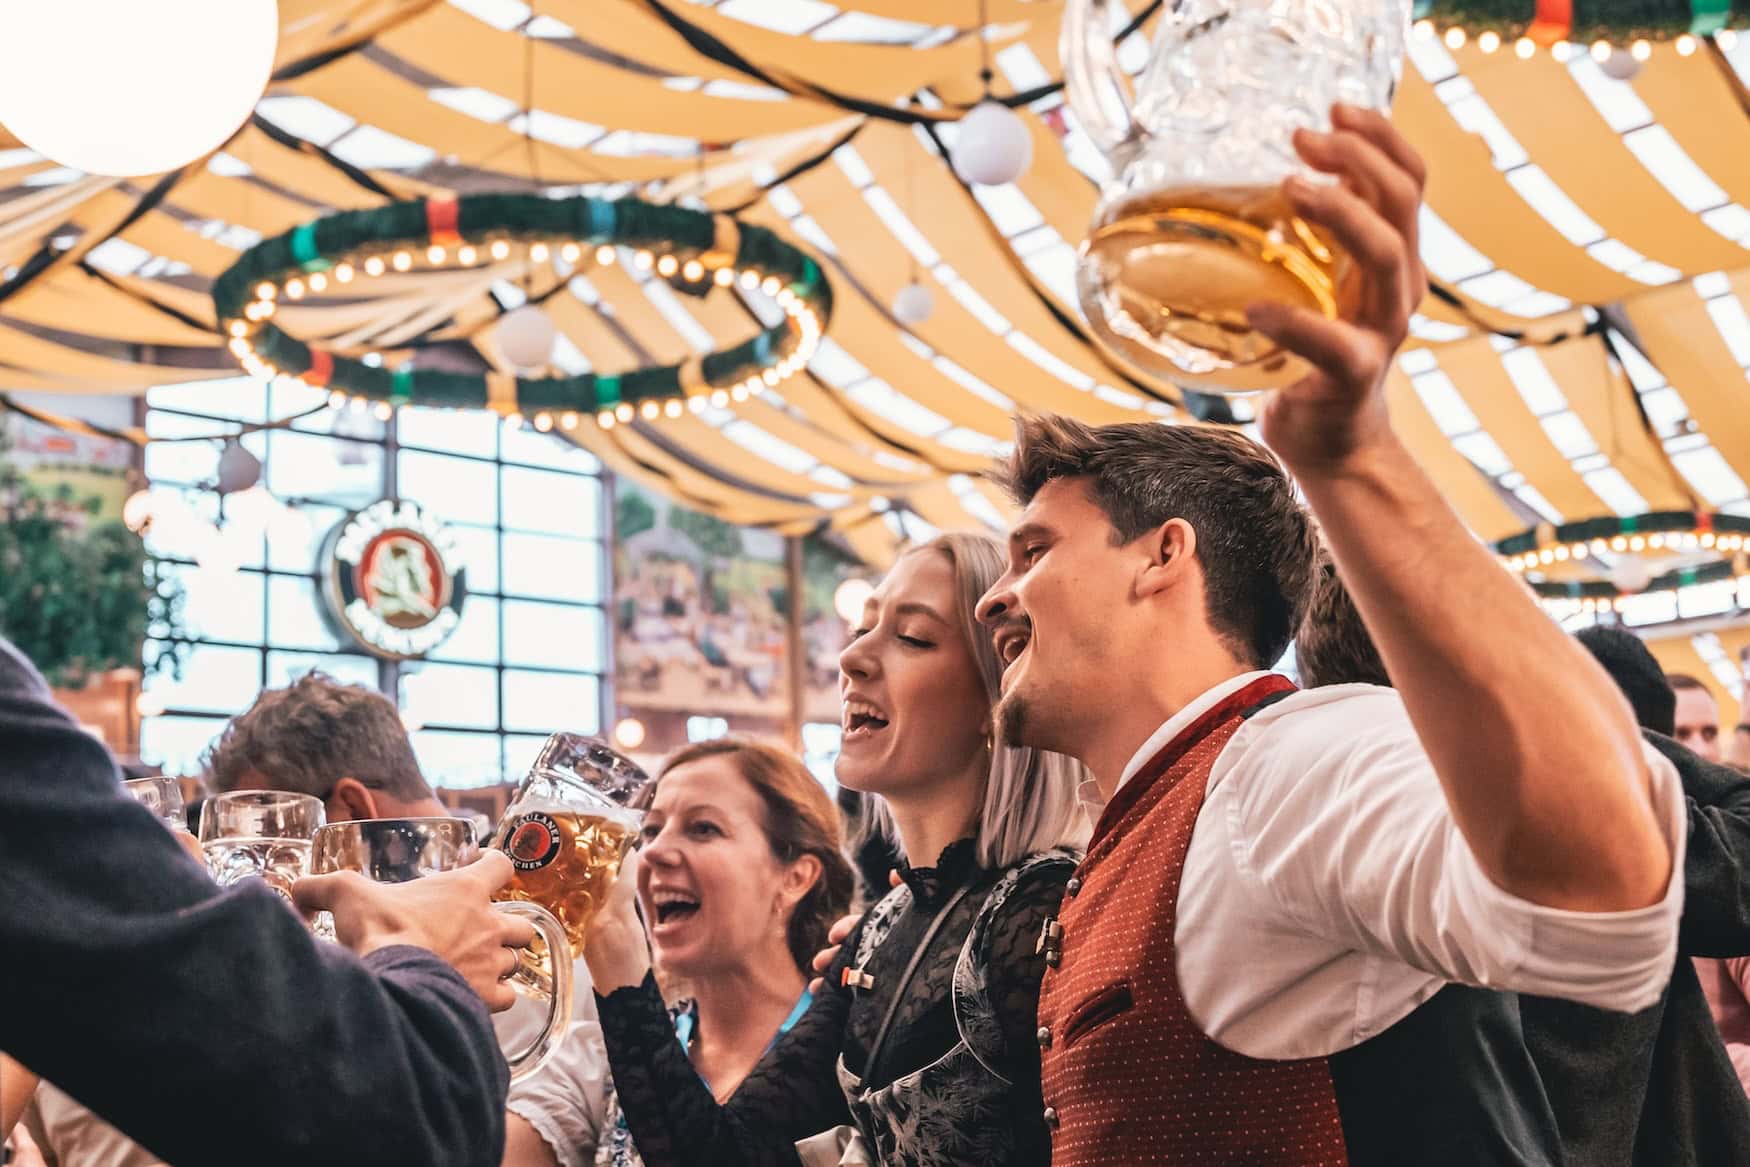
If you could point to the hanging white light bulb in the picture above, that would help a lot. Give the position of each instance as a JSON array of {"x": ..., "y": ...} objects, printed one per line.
[
  {"x": 850, "y": 596},
  {"x": 526, "y": 337},
  {"x": 238, "y": 468},
  {"x": 121, "y": 88},
  {"x": 1631, "y": 574},
  {"x": 993, "y": 145},
  {"x": 914, "y": 304}
]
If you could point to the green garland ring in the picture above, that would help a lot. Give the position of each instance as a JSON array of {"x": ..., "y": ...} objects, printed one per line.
[
  {"x": 1680, "y": 531},
  {"x": 702, "y": 247}
]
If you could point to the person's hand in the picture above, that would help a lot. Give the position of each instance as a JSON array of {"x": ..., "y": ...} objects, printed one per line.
[
  {"x": 25, "y": 1152},
  {"x": 1337, "y": 413},
  {"x": 835, "y": 939},
  {"x": 451, "y": 914},
  {"x": 614, "y": 944}
]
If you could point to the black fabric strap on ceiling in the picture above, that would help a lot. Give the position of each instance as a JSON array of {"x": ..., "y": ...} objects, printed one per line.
[
  {"x": 796, "y": 171},
  {"x": 714, "y": 48},
  {"x": 176, "y": 314},
  {"x": 291, "y": 141},
  {"x": 46, "y": 255}
]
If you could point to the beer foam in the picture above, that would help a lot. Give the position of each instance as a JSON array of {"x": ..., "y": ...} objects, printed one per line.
[{"x": 612, "y": 812}]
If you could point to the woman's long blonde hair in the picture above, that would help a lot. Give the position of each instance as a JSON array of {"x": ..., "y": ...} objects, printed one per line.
[{"x": 1031, "y": 797}]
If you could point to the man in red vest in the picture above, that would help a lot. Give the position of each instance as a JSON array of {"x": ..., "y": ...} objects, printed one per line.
[{"x": 1275, "y": 950}]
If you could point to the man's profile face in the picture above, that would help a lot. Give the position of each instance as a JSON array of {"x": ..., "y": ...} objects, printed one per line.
[
  {"x": 1698, "y": 723},
  {"x": 1054, "y": 615}
]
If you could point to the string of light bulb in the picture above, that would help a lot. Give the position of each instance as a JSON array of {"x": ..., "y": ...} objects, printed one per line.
[
  {"x": 1626, "y": 542},
  {"x": 1557, "y": 36},
  {"x": 701, "y": 249}
]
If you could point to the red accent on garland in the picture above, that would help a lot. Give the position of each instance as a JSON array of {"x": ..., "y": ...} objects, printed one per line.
[
  {"x": 1704, "y": 521},
  {"x": 321, "y": 368},
  {"x": 441, "y": 216},
  {"x": 1555, "y": 20}
]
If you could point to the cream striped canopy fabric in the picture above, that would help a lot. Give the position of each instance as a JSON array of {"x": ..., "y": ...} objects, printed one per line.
[{"x": 1584, "y": 353}]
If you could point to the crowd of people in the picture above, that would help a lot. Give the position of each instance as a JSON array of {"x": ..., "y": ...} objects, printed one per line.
[{"x": 1473, "y": 893}]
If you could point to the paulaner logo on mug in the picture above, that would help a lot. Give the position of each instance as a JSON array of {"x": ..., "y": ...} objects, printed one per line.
[{"x": 534, "y": 842}]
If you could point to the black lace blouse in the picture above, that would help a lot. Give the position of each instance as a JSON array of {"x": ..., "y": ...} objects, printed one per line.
[{"x": 794, "y": 1091}]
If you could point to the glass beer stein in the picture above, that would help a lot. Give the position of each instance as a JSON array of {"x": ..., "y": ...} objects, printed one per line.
[
  {"x": 569, "y": 826},
  {"x": 263, "y": 834},
  {"x": 397, "y": 850},
  {"x": 1192, "y": 226}
]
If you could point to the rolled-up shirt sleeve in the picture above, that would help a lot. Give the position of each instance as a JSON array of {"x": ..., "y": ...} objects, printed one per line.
[{"x": 1341, "y": 818}]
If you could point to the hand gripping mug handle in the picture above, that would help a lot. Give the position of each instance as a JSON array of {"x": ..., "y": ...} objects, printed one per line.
[
  {"x": 552, "y": 982},
  {"x": 1094, "y": 84}
]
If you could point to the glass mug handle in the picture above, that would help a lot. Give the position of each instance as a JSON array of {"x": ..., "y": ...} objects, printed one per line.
[
  {"x": 1094, "y": 83},
  {"x": 530, "y": 979}
]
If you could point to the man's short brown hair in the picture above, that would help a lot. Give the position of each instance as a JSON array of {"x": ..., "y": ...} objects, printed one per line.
[
  {"x": 1254, "y": 540},
  {"x": 1334, "y": 646},
  {"x": 311, "y": 734}
]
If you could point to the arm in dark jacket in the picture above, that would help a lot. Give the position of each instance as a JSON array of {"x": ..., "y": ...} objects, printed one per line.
[
  {"x": 211, "y": 1027},
  {"x": 1716, "y": 869}
]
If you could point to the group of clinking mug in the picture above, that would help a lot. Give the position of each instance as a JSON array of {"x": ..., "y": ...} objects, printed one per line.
[{"x": 1246, "y": 924}]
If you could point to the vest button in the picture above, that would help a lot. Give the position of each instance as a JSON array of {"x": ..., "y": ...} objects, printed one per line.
[
  {"x": 1045, "y": 1037},
  {"x": 1074, "y": 885},
  {"x": 1051, "y": 1117}
]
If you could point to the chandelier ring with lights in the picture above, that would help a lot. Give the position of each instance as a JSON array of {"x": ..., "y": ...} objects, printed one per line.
[
  {"x": 1655, "y": 535},
  {"x": 700, "y": 248}
]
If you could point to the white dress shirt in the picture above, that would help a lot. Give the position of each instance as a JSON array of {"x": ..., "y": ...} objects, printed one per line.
[{"x": 1328, "y": 892}]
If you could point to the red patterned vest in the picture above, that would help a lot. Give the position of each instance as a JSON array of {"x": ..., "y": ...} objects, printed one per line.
[{"x": 1129, "y": 1078}]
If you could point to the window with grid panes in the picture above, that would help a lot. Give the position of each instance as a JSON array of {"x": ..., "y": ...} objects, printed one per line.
[{"x": 530, "y": 654}]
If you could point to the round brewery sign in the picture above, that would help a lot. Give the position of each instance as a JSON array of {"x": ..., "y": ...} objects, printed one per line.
[{"x": 392, "y": 579}]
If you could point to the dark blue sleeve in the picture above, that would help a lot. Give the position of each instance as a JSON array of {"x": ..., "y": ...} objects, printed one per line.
[
  {"x": 211, "y": 1027},
  {"x": 1716, "y": 865}
]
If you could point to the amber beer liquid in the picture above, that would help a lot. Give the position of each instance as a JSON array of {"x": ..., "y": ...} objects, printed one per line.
[
  {"x": 566, "y": 860},
  {"x": 1172, "y": 272}
]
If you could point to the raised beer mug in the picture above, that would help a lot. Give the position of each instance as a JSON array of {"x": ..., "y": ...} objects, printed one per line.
[
  {"x": 571, "y": 823},
  {"x": 259, "y": 834},
  {"x": 397, "y": 850},
  {"x": 1192, "y": 226}
]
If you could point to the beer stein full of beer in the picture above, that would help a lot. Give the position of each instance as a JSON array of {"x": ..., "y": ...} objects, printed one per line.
[
  {"x": 571, "y": 823},
  {"x": 397, "y": 850},
  {"x": 1192, "y": 226}
]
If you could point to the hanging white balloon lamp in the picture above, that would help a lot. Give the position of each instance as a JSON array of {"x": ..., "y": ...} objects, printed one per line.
[
  {"x": 914, "y": 304},
  {"x": 128, "y": 87},
  {"x": 993, "y": 146},
  {"x": 526, "y": 337}
]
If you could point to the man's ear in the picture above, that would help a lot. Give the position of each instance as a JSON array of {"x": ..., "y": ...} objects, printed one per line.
[
  {"x": 351, "y": 800},
  {"x": 1172, "y": 550}
]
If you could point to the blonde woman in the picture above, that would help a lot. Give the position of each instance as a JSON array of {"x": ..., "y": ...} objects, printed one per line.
[{"x": 924, "y": 1036}]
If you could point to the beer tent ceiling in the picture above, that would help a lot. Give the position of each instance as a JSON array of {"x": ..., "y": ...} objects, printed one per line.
[{"x": 1584, "y": 355}]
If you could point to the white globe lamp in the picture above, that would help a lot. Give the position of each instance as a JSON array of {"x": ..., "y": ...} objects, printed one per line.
[
  {"x": 993, "y": 146},
  {"x": 848, "y": 599},
  {"x": 526, "y": 337},
  {"x": 914, "y": 304},
  {"x": 629, "y": 733},
  {"x": 125, "y": 88},
  {"x": 1631, "y": 575}
]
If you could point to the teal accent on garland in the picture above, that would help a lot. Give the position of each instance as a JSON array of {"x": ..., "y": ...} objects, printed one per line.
[
  {"x": 524, "y": 219},
  {"x": 1630, "y": 524},
  {"x": 1617, "y": 21},
  {"x": 304, "y": 249},
  {"x": 601, "y": 219},
  {"x": 1708, "y": 16}
]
